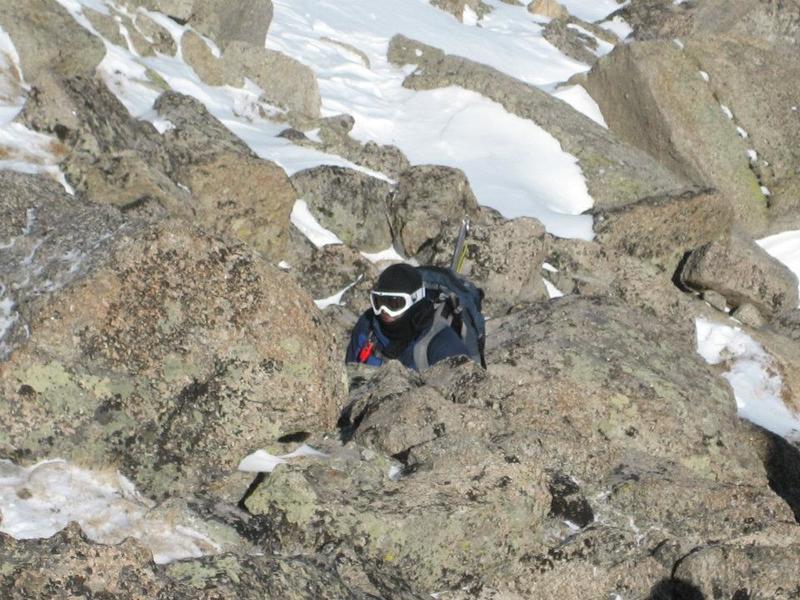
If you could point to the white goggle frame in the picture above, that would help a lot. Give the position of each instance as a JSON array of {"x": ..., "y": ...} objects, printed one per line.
[{"x": 410, "y": 300}]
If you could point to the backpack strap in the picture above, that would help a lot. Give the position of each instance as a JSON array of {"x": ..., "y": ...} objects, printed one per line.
[{"x": 421, "y": 347}]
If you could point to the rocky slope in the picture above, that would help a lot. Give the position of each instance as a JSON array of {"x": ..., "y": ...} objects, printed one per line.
[{"x": 158, "y": 318}]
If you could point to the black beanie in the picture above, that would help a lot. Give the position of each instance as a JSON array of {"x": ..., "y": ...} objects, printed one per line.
[{"x": 399, "y": 278}]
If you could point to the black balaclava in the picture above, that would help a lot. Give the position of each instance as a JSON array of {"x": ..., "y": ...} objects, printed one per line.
[{"x": 403, "y": 278}]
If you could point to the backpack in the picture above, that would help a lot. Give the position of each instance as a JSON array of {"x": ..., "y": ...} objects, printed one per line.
[{"x": 457, "y": 302}]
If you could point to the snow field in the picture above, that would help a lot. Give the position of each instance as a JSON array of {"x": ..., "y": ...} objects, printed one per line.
[
  {"x": 135, "y": 79},
  {"x": 512, "y": 164}
]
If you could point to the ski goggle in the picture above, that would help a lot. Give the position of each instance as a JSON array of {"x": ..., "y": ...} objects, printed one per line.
[{"x": 394, "y": 304}]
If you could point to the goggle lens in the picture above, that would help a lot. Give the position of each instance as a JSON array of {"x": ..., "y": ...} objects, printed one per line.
[
  {"x": 394, "y": 304},
  {"x": 390, "y": 302}
]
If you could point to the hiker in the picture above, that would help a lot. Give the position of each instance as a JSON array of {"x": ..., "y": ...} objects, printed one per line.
[{"x": 401, "y": 324}]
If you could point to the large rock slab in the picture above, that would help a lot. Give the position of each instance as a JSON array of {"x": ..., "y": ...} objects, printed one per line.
[
  {"x": 111, "y": 158},
  {"x": 429, "y": 200},
  {"x": 84, "y": 115},
  {"x": 69, "y": 563},
  {"x": 653, "y": 97},
  {"x": 244, "y": 197},
  {"x": 785, "y": 205},
  {"x": 743, "y": 273},
  {"x": 224, "y": 22},
  {"x": 503, "y": 257},
  {"x": 197, "y": 53},
  {"x": 589, "y": 459},
  {"x": 457, "y": 8},
  {"x": 609, "y": 368},
  {"x": 760, "y": 85},
  {"x": 39, "y": 202},
  {"x": 126, "y": 180},
  {"x": 616, "y": 173},
  {"x": 287, "y": 83},
  {"x": 351, "y": 204},
  {"x": 662, "y": 230},
  {"x": 505, "y": 260},
  {"x": 160, "y": 39},
  {"x": 156, "y": 349},
  {"x": 197, "y": 132},
  {"x": 198, "y": 170},
  {"x": 422, "y": 529},
  {"x": 764, "y": 22},
  {"x": 590, "y": 269},
  {"x": 334, "y": 134},
  {"x": 48, "y": 39}
]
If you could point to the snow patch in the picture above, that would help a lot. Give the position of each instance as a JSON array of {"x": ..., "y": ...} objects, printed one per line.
[
  {"x": 336, "y": 299},
  {"x": 262, "y": 461},
  {"x": 726, "y": 111},
  {"x": 548, "y": 267},
  {"x": 512, "y": 164},
  {"x": 302, "y": 218},
  {"x": 704, "y": 75},
  {"x": 552, "y": 291},
  {"x": 752, "y": 155},
  {"x": 579, "y": 99},
  {"x": 618, "y": 26},
  {"x": 39, "y": 501},
  {"x": 30, "y": 221},
  {"x": 8, "y": 316},
  {"x": 162, "y": 125},
  {"x": 390, "y": 254},
  {"x": 678, "y": 43},
  {"x": 469, "y": 16},
  {"x": 752, "y": 374},
  {"x": 313, "y": 135},
  {"x": 742, "y": 133}
]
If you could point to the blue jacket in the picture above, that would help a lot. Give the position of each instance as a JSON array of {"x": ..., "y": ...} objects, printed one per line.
[{"x": 443, "y": 345}]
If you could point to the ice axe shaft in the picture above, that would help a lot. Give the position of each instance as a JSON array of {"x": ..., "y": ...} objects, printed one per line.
[{"x": 460, "y": 251}]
